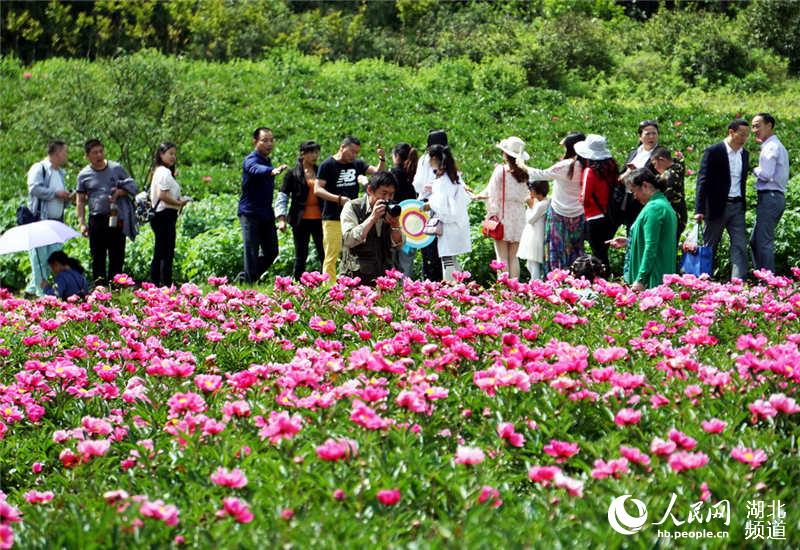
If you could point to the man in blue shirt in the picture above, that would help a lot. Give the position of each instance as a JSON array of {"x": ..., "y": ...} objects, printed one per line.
[{"x": 255, "y": 212}]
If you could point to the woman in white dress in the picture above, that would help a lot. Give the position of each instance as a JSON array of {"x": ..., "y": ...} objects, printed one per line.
[
  {"x": 449, "y": 200},
  {"x": 507, "y": 192}
]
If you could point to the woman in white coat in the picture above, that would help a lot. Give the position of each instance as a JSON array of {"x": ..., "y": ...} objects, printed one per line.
[{"x": 449, "y": 200}]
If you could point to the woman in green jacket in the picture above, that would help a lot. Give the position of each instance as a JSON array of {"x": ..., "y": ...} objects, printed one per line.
[{"x": 651, "y": 247}]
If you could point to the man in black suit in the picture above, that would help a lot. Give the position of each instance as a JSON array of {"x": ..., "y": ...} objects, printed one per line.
[{"x": 720, "y": 197}]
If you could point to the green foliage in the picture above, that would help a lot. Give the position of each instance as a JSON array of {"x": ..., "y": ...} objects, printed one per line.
[
  {"x": 776, "y": 24},
  {"x": 217, "y": 251}
]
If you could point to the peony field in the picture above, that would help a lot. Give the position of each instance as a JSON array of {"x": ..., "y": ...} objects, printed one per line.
[{"x": 414, "y": 414}]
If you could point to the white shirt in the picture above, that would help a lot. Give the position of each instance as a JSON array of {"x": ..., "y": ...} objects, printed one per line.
[
  {"x": 566, "y": 190},
  {"x": 423, "y": 176},
  {"x": 773, "y": 166},
  {"x": 641, "y": 157},
  {"x": 163, "y": 181},
  {"x": 735, "y": 165}
]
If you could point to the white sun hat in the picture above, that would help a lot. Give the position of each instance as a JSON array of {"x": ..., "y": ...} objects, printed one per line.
[
  {"x": 513, "y": 147},
  {"x": 594, "y": 147}
]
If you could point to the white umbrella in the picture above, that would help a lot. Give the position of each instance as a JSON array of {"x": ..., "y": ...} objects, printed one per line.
[{"x": 34, "y": 235}]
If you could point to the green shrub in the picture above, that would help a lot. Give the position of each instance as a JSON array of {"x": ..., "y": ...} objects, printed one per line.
[{"x": 217, "y": 252}]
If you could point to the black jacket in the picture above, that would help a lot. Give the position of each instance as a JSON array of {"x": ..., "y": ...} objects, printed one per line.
[
  {"x": 296, "y": 188},
  {"x": 714, "y": 181}
]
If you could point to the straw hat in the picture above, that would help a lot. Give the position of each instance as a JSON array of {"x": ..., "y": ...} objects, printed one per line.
[{"x": 514, "y": 147}]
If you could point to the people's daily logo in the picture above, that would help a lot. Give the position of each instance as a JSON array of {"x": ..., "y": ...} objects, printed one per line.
[{"x": 621, "y": 521}]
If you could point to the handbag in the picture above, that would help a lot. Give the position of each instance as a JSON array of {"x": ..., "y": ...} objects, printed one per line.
[
  {"x": 492, "y": 226},
  {"x": 433, "y": 226},
  {"x": 697, "y": 259}
]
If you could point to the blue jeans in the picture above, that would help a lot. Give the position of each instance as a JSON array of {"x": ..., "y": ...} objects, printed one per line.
[
  {"x": 40, "y": 268},
  {"x": 260, "y": 238},
  {"x": 769, "y": 210}
]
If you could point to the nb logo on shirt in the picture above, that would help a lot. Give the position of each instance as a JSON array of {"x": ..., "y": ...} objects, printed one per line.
[{"x": 347, "y": 178}]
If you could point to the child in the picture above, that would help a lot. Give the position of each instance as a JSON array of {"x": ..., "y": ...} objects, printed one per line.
[
  {"x": 69, "y": 277},
  {"x": 531, "y": 244}
]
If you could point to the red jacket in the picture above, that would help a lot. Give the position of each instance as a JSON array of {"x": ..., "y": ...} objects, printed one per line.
[{"x": 594, "y": 194}]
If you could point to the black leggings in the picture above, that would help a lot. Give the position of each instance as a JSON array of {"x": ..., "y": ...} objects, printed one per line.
[
  {"x": 163, "y": 224},
  {"x": 598, "y": 231},
  {"x": 301, "y": 234}
]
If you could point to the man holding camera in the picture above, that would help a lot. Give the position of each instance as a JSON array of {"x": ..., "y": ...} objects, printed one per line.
[{"x": 371, "y": 230}]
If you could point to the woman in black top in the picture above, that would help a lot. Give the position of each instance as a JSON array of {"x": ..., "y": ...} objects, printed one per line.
[
  {"x": 304, "y": 212},
  {"x": 404, "y": 158}
]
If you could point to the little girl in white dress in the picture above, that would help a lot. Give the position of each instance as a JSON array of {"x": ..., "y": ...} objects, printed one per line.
[{"x": 531, "y": 244}]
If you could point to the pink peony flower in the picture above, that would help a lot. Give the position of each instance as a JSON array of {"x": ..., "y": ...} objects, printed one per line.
[
  {"x": 492, "y": 494},
  {"x": 762, "y": 409},
  {"x": 573, "y": 486},
  {"x": 713, "y": 426},
  {"x": 497, "y": 265},
  {"x": 279, "y": 426},
  {"x": 168, "y": 513},
  {"x": 237, "y": 509},
  {"x": 784, "y": 404},
  {"x": 612, "y": 468},
  {"x": 287, "y": 514},
  {"x": 321, "y": 325},
  {"x": 634, "y": 455},
  {"x": 687, "y": 461},
  {"x": 235, "y": 479},
  {"x": 90, "y": 448},
  {"x": 506, "y": 431},
  {"x": 682, "y": 440},
  {"x": 541, "y": 474},
  {"x": 36, "y": 497},
  {"x": 339, "y": 494},
  {"x": 337, "y": 449},
  {"x": 122, "y": 279},
  {"x": 561, "y": 450},
  {"x": 627, "y": 417},
  {"x": 469, "y": 455},
  {"x": 753, "y": 457},
  {"x": 705, "y": 493},
  {"x": 661, "y": 447},
  {"x": 388, "y": 497}
]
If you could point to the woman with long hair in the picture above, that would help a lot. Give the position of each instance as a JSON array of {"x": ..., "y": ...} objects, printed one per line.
[
  {"x": 404, "y": 159},
  {"x": 304, "y": 212},
  {"x": 449, "y": 200},
  {"x": 507, "y": 192},
  {"x": 165, "y": 196},
  {"x": 564, "y": 223},
  {"x": 598, "y": 179}
]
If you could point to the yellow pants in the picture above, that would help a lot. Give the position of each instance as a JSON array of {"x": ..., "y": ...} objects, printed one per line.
[{"x": 332, "y": 244}]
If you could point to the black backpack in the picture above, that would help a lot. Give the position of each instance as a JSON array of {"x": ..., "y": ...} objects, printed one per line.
[{"x": 24, "y": 214}]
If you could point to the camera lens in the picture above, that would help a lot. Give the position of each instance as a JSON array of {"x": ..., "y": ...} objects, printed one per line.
[{"x": 394, "y": 209}]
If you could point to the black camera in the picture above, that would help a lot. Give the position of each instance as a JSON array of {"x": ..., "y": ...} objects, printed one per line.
[{"x": 393, "y": 208}]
